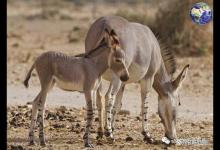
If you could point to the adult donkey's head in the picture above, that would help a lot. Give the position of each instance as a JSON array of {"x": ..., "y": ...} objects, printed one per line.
[
  {"x": 168, "y": 102},
  {"x": 116, "y": 60}
]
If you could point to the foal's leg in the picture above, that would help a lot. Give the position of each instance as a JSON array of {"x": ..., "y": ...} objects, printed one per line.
[
  {"x": 41, "y": 110},
  {"x": 146, "y": 86},
  {"x": 33, "y": 119},
  {"x": 118, "y": 104},
  {"x": 46, "y": 84},
  {"x": 100, "y": 107},
  {"x": 109, "y": 103},
  {"x": 89, "y": 119}
]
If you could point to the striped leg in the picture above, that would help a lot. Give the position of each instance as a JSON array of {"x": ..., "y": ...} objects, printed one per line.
[
  {"x": 41, "y": 111},
  {"x": 109, "y": 103},
  {"x": 33, "y": 119},
  {"x": 146, "y": 86},
  {"x": 100, "y": 107},
  {"x": 89, "y": 119},
  {"x": 118, "y": 104}
]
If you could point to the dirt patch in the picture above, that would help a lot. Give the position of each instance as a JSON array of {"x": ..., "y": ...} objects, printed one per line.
[{"x": 64, "y": 128}]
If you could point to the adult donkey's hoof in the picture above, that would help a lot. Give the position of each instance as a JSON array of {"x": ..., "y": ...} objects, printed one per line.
[
  {"x": 110, "y": 140},
  {"x": 109, "y": 137}
]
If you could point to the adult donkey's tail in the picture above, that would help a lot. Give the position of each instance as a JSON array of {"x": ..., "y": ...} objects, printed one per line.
[{"x": 28, "y": 76}]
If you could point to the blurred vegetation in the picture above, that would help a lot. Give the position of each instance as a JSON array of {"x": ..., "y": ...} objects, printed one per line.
[
  {"x": 169, "y": 20},
  {"x": 173, "y": 26}
]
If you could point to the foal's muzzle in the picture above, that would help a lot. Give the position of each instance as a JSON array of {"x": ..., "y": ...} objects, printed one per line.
[{"x": 124, "y": 78}]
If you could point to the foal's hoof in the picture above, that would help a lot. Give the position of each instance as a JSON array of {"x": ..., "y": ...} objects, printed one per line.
[
  {"x": 43, "y": 144},
  {"x": 31, "y": 143},
  {"x": 99, "y": 135},
  {"x": 89, "y": 145},
  {"x": 149, "y": 140}
]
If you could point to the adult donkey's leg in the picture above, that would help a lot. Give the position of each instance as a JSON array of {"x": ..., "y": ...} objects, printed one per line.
[
  {"x": 109, "y": 103},
  {"x": 146, "y": 86},
  {"x": 118, "y": 104},
  {"x": 100, "y": 106}
]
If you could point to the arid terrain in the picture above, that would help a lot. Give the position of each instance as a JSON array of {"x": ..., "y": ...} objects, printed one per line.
[{"x": 64, "y": 29}]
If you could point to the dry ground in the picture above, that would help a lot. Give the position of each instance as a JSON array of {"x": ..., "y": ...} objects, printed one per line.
[{"x": 28, "y": 36}]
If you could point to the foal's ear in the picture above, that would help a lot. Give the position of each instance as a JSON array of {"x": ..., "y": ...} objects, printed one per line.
[
  {"x": 113, "y": 38},
  {"x": 178, "y": 81}
]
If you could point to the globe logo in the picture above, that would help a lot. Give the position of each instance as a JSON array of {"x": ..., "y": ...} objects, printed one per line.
[{"x": 201, "y": 13}]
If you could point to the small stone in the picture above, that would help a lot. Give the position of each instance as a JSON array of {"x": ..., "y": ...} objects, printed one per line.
[
  {"x": 138, "y": 118},
  {"x": 69, "y": 142},
  {"x": 128, "y": 139},
  {"x": 201, "y": 127},
  {"x": 96, "y": 119},
  {"x": 124, "y": 112},
  {"x": 22, "y": 106},
  {"x": 123, "y": 119},
  {"x": 17, "y": 147},
  {"x": 193, "y": 124},
  {"x": 77, "y": 125},
  {"x": 62, "y": 109},
  {"x": 58, "y": 125},
  {"x": 77, "y": 131},
  {"x": 82, "y": 130},
  {"x": 15, "y": 44}
]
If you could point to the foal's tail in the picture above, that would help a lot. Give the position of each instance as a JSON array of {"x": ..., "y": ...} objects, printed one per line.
[{"x": 28, "y": 76}]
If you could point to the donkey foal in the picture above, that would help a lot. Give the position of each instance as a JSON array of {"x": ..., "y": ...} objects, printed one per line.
[{"x": 71, "y": 73}]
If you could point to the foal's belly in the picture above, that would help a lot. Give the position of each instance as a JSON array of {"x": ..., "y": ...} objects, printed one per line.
[{"x": 69, "y": 85}]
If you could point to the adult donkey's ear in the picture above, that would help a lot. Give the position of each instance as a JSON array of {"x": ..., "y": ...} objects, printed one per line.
[
  {"x": 178, "y": 81},
  {"x": 113, "y": 39}
]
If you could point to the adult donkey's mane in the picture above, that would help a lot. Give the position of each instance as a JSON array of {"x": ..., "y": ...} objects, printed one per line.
[{"x": 168, "y": 56}]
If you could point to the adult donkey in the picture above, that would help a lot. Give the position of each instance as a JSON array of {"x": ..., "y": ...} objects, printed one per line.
[{"x": 146, "y": 66}]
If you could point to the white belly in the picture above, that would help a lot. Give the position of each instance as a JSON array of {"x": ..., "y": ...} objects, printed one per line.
[
  {"x": 136, "y": 73},
  {"x": 70, "y": 86}
]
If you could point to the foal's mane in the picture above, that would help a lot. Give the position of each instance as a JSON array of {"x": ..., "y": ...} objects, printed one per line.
[{"x": 88, "y": 54}]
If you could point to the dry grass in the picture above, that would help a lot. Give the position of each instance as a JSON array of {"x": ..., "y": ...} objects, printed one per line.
[{"x": 172, "y": 23}]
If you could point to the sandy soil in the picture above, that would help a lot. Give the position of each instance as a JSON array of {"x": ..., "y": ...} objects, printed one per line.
[{"x": 28, "y": 36}]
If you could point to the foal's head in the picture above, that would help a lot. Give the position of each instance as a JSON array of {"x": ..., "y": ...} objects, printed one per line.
[{"x": 116, "y": 59}]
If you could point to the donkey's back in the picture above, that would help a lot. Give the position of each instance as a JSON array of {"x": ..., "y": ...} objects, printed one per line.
[{"x": 68, "y": 72}]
